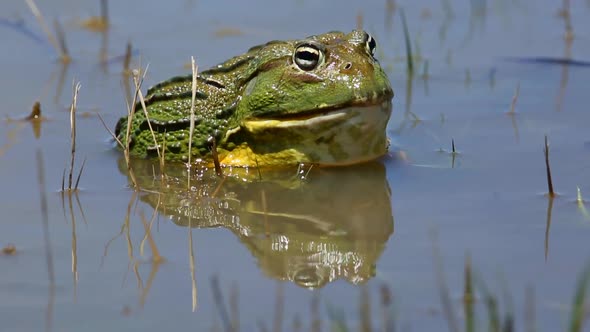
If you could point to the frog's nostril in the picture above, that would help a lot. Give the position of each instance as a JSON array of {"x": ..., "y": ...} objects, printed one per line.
[{"x": 347, "y": 66}]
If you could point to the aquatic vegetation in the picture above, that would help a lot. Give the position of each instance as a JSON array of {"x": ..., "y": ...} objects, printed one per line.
[{"x": 73, "y": 107}]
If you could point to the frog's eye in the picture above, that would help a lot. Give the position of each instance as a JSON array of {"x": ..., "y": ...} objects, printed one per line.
[
  {"x": 371, "y": 45},
  {"x": 308, "y": 56}
]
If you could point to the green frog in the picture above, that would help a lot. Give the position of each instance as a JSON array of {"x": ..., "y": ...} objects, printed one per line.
[{"x": 323, "y": 100}]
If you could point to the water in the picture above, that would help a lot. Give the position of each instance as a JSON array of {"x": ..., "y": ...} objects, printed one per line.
[{"x": 334, "y": 229}]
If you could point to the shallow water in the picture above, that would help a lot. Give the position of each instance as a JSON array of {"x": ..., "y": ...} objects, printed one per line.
[{"x": 336, "y": 229}]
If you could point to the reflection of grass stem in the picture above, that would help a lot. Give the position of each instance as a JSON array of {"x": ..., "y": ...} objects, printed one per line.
[
  {"x": 359, "y": 20},
  {"x": 234, "y": 307},
  {"x": 215, "y": 156},
  {"x": 548, "y": 224},
  {"x": 442, "y": 286},
  {"x": 425, "y": 74},
  {"x": 514, "y": 99},
  {"x": 104, "y": 12},
  {"x": 74, "y": 242},
  {"x": 316, "y": 323},
  {"x": 491, "y": 304},
  {"x": 48, "y": 255},
  {"x": 127, "y": 58},
  {"x": 386, "y": 309},
  {"x": 191, "y": 254},
  {"x": 279, "y": 308},
  {"x": 578, "y": 310},
  {"x": 157, "y": 259},
  {"x": 551, "y": 193},
  {"x": 365, "y": 310},
  {"x": 468, "y": 297},
  {"x": 65, "y": 58},
  {"x": 128, "y": 238},
  {"x": 220, "y": 304},
  {"x": 265, "y": 210},
  {"x": 529, "y": 309},
  {"x": 148, "y": 231},
  {"x": 410, "y": 59},
  {"x": 580, "y": 202},
  {"x": 61, "y": 39}
]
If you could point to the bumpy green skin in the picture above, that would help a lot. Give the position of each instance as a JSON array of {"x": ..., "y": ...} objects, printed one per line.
[{"x": 263, "y": 83}]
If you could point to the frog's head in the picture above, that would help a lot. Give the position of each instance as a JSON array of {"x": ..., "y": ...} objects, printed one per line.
[{"x": 324, "y": 99}]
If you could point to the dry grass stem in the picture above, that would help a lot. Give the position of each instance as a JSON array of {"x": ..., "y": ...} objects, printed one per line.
[
  {"x": 73, "y": 107},
  {"x": 215, "y": 156},
  {"x": 110, "y": 131},
  {"x": 80, "y": 174},
  {"x": 138, "y": 81},
  {"x": 130, "y": 114},
  {"x": 551, "y": 193},
  {"x": 218, "y": 188},
  {"x": 192, "y": 118}
]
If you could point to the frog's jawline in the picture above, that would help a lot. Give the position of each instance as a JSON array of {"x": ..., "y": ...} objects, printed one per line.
[
  {"x": 321, "y": 111},
  {"x": 317, "y": 116}
]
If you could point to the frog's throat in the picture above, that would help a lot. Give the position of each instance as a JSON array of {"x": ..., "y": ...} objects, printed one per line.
[{"x": 339, "y": 137}]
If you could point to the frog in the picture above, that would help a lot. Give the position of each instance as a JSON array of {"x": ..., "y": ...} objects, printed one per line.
[{"x": 323, "y": 100}]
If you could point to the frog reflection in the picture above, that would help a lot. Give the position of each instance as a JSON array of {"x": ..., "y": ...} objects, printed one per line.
[{"x": 334, "y": 225}]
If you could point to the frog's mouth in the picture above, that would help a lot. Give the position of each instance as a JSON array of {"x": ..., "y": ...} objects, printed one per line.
[
  {"x": 320, "y": 111},
  {"x": 333, "y": 137}
]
